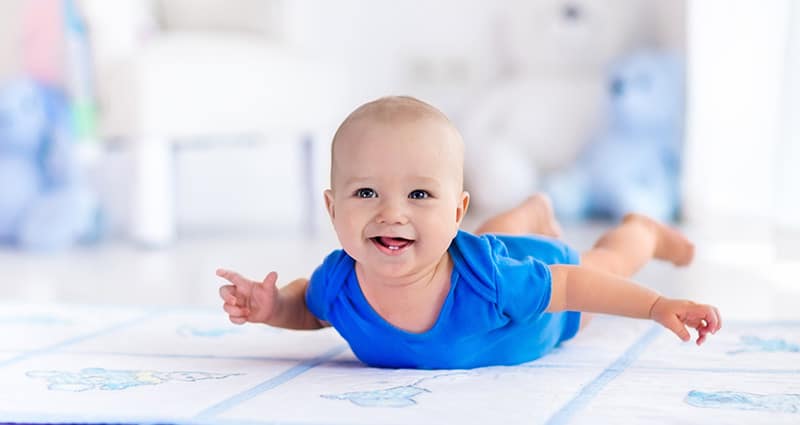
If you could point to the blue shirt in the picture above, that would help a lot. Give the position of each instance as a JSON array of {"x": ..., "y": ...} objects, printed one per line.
[{"x": 493, "y": 314}]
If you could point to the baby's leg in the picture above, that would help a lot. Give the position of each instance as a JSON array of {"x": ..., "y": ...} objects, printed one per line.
[
  {"x": 534, "y": 215},
  {"x": 628, "y": 247}
]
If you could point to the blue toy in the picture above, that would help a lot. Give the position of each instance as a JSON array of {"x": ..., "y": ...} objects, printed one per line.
[
  {"x": 45, "y": 202},
  {"x": 635, "y": 165}
]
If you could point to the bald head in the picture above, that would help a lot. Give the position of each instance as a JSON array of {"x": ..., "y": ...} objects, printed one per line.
[{"x": 395, "y": 112}]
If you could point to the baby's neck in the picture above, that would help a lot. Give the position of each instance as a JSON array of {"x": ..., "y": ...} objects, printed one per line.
[{"x": 411, "y": 303}]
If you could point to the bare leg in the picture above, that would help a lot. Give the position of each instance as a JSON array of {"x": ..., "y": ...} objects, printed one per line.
[
  {"x": 534, "y": 215},
  {"x": 628, "y": 247}
]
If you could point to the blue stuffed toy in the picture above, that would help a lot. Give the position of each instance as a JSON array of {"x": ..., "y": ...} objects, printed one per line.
[
  {"x": 45, "y": 201},
  {"x": 634, "y": 166}
]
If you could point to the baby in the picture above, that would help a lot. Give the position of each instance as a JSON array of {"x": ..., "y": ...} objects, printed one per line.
[{"x": 411, "y": 290}]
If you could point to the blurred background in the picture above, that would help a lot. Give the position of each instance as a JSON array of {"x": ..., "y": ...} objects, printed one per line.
[{"x": 145, "y": 143}]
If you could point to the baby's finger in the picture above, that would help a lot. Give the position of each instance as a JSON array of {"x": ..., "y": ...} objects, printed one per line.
[
  {"x": 702, "y": 334},
  {"x": 244, "y": 286},
  {"x": 223, "y": 273},
  {"x": 232, "y": 277},
  {"x": 271, "y": 279},
  {"x": 242, "y": 283},
  {"x": 234, "y": 310},
  {"x": 237, "y": 320},
  {"x": 228, "y": 293},
  {"x": 234, "y": 297},
  {"x": 712, "y": 319},
  {"x": 674, "y": 324}
]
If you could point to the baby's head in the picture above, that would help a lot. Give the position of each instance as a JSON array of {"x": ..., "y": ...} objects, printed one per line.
[{"x": 396, "y": 198}]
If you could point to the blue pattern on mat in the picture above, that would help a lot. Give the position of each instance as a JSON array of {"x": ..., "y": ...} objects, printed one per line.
[
  {"x": 755, "y": 344},
  {"x": 780, "y": 403}
]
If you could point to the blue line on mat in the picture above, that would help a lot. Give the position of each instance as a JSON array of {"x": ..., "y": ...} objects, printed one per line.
[
  {"x": 75, "y": 340},
  {"x": 722, "y": 370},
  {"x": 269, "y": 384},
  {"x": 178, "y": 356},
  {"x": 591, "y": 390}
]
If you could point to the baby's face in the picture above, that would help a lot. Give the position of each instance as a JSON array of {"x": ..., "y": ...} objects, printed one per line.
[{"x": 396, "y": 200}]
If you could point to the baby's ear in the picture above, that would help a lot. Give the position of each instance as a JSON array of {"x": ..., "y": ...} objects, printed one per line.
[
  {"x": 463, "y": 205},
  {"x": 329, "y": 202}
]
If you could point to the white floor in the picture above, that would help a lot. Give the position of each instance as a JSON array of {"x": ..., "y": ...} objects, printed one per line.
[
  {"x": 78, "y": 325},
  {"x": 741, "y": 275}
]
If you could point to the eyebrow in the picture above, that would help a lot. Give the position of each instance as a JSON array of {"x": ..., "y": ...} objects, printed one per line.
[{"x": 416, "y": 179}]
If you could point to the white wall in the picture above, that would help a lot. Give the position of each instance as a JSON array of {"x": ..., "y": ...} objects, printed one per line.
[
  {"x": 788, "y": 151},
  {"x": 737, "y": 52}
]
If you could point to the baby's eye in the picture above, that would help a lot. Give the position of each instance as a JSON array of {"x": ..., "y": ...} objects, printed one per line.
[
  {"x": 419, "y": 194},
  {"x": 365, "y": 192}
]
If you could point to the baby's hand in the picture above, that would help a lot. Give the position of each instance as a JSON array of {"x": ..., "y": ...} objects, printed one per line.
[
  {"x": 246, "y": 300},
  {"x": 675, "y": 315}
]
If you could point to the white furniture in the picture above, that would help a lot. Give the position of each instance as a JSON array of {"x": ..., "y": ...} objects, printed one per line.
[{"x": 177, "y": 72}]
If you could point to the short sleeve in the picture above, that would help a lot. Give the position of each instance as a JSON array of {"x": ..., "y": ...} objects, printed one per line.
[
  {"x": 315, "y": 293},
  {"x": 510, "y": 276},
  {"x": 326, "y": 282},
  {"x": 523, "y": 287}
]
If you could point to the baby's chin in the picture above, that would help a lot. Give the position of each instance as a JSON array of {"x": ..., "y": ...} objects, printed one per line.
[
  {"x": 405, "y": 266},
  {"x": 391, "y": 266}
]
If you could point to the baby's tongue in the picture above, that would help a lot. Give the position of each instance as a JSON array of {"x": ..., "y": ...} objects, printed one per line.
[{"x": 398, "y": 242}]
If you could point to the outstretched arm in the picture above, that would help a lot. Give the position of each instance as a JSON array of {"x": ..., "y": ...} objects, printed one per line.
[
  {"x": 584, "y": 289},
  {"x": 247, "y": 300}
]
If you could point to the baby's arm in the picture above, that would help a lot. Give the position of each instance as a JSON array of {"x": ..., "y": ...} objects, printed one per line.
[
  {"x": 246, "y": 300},
  {"x": 583, "y": 289}
]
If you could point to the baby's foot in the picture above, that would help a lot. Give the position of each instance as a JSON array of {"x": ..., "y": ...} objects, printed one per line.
[
  {"x": 543, "y": 218},
  {"x": 671, "y": 244}
]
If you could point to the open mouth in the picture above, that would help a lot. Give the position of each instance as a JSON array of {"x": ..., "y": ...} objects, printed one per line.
[{"x": 391, "y": 245}]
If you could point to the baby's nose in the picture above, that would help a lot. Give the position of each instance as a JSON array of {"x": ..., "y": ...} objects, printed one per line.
[{"x": 392, "y": 213}]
